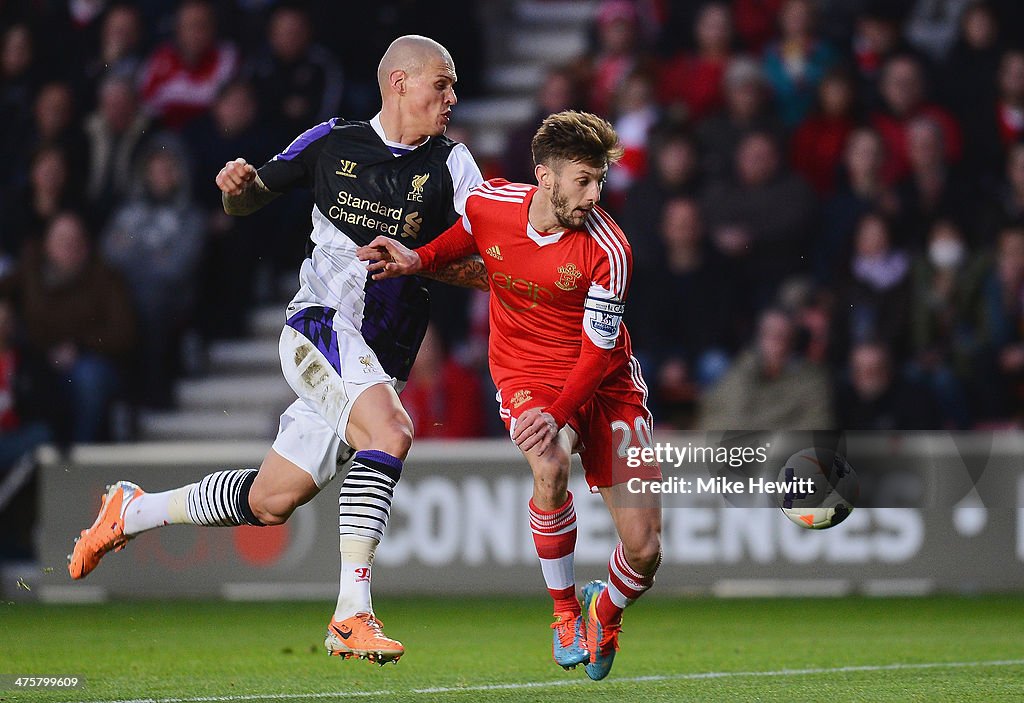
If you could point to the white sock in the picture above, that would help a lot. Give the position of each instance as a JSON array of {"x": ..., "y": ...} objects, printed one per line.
[
  {"x": 356, "y": 561},
  {"x": 158, "y": 509}
]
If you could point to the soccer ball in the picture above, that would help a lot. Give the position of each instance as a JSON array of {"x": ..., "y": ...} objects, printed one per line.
[{"x": 834, "y": 489}]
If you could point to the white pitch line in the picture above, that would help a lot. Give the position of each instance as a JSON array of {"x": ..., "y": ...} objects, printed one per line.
[{"x": 574, "y": 682}]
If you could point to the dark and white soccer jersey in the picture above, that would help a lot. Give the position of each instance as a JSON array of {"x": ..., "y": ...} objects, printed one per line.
[{"x": 363, "y": 186}]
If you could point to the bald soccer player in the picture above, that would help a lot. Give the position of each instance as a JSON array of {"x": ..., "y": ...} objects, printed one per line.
[{"x": 348, "y": 341}]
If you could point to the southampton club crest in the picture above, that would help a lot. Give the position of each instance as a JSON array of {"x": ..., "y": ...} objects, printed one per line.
[
  {"x": 568, "y": 275},
  {"x": 520, "y": 397}
]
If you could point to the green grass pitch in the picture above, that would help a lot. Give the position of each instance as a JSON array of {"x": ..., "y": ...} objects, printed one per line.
[{"x": 466, "y": 649}]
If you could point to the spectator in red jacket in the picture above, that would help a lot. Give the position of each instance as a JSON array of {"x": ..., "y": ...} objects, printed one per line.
[
  {"x": 618, "y": 54},
  {"x": 443, "y": 397},
  {"x": 817, "y": 146},
  {"x": 692, "y": 81},
  {"x": 756, "y": 21},
  {"x": 181, "y": 78},
  {"x": 905, "y": 98}
]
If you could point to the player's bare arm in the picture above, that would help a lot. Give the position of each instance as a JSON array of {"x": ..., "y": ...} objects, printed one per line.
[
  {"x": 242, "y": 191},
  {"x": 465, "y": 273}
]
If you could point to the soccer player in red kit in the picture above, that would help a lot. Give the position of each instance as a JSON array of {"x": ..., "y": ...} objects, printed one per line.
[{"x": 559, "y": 269}]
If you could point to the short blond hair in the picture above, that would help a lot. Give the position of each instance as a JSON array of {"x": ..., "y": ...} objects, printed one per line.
[{"x": 576, "y": 136}]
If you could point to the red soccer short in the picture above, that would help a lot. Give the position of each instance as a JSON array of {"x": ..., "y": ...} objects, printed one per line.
[{"x": 612, "y": 426}]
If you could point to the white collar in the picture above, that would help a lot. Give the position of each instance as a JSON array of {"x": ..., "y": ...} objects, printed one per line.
[
  {"x": 542, "y": 239},
  {"x": 379, "y": 129}
]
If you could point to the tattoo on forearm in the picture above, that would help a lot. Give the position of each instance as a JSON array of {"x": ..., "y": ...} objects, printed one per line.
[
  {"x": 255, "y": 196},
  {"x": 466, "y": 273}
]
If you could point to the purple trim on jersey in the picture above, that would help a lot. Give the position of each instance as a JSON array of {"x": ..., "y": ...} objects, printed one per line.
[
  {"x": 395, "y": 314},
  {"x": 305, "y": 139},
  {"x": 400, "y": 151},
  {"x": 317, "y": 325}
]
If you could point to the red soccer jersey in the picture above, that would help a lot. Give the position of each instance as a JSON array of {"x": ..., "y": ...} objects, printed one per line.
[{"x": 551, "y": 294}]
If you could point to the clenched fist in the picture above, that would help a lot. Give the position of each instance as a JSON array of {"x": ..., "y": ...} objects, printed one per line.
[{"x": 235, "y": 176}]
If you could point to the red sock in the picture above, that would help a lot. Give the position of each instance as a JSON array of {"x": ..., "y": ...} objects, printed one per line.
[
  {"x": 625, "y": 585},
  {"x": 554, "y": 536},
  {"x": 607, "y": 612}
]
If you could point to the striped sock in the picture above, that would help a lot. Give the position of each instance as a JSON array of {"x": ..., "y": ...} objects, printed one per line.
[
  {"x": 625, "y": 585},
  {"x": 363, "y": 510},
  {"x": 222, "y": 499},
  {"x": 365, "y": 501},
  {"x": 554, "y": 536}
]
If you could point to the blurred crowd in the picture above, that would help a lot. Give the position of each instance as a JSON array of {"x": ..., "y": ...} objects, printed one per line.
[
  {"x": 118, "y": 266},
  {"x": 824, "y": 197},
  {"x": 825, "y": 200}
]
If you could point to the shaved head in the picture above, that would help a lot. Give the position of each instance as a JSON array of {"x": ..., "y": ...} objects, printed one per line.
[{"x": 411, "y": 53}]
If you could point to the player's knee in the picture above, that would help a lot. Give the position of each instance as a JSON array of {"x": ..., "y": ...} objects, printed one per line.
[
  {"x": 271, "y": 509},
  {"x": 550, "y": 478},
  {"x": 269, "y": 518},
  {"x": 393, "y": 435},
  {"x": 644, "y": 552}
]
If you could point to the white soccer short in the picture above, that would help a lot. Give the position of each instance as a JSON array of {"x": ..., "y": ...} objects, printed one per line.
[{"x": 328, "y": 364}]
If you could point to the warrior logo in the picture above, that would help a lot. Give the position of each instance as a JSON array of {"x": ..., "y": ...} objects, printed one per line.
[{"x": 348, "y": 169}]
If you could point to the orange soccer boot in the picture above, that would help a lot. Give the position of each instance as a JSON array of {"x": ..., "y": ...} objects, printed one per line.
[
  {"x": 106, "y": 533},
  {"x": 362, "y": 637}
]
